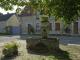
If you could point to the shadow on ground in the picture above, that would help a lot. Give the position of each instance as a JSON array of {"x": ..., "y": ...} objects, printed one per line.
[
  {"x": 58, "y": 54},
  {"x": 8, "y": 58}
]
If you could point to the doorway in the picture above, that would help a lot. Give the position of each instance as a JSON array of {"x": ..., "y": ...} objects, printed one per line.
[{"x": 75, "y": 28}]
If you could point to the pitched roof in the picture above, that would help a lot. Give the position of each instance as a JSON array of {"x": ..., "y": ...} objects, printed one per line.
[
  {"x": 22, "y": 15},
  {"x": 5, "y": 17}
]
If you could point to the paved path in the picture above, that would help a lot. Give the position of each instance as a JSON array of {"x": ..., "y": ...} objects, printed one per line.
[
  {"x": 69, "y": 40},
  {"x": 8, "y": 38},
  {"x": 63, "y": 39}
]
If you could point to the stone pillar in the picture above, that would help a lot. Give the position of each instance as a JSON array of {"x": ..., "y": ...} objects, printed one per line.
[{"x": 44, "y": 26}]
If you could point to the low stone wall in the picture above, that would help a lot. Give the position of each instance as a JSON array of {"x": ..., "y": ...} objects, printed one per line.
[{"x": 51, "y": 43}]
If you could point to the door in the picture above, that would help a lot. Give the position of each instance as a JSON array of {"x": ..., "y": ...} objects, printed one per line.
[
  {"x": 15, "y": 30},
  {"x": 57, "y": 26},
  {"x": 75, "y": 29}
]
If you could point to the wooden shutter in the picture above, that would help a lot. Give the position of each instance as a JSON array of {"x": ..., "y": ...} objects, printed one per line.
[
  {"x": 57, "y": 26},
  {"x": 76, "y": 27}
]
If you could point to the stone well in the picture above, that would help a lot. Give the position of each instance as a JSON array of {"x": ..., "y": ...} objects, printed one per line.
[{"x": 51, "y": 43}]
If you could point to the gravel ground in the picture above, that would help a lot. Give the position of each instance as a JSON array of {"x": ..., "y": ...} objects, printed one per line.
[
  {"x": 74, "y": 53},
  {"x": 73, "y": 50}
]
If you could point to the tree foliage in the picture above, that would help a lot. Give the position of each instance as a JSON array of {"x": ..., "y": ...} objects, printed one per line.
[
  {"x": 8, "y": 4},
  {"x": 68, "y": 10}
]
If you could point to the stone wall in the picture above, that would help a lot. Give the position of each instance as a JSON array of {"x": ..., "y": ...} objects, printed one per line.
[{"x": 51, "y": 43}]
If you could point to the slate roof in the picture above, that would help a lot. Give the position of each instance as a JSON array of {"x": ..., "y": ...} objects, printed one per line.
[
  {"x": 22, "y": 15},
  {"x": 5, "y": 17}
]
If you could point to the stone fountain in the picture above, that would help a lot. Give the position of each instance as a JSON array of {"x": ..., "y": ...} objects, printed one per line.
[{"x": 44, "y": 42}]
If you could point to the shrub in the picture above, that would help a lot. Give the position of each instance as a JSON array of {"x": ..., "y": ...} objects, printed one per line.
[{"x": 10, "y": 49}]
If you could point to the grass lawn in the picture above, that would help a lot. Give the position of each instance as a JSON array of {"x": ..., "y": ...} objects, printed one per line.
[{"x": 66, "y": 53}]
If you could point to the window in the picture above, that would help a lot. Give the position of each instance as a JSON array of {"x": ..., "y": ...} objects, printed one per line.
[
  {"x": 37, "y": 15},
  {"x": 57, "y": 26},
  {"x": 75, "y": 29},
  {"x": 30, "y": 29},
  {"x": 37, "y": 27},
  {"x": 50, "y": 26}
]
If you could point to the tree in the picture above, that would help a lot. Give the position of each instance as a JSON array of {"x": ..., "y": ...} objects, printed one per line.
[
  {"x": 8, "y": 4},
  {"x": 68, "y": 10}
]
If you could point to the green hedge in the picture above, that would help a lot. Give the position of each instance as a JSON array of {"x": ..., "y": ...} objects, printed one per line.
[{"x": 10, "y": 49}]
